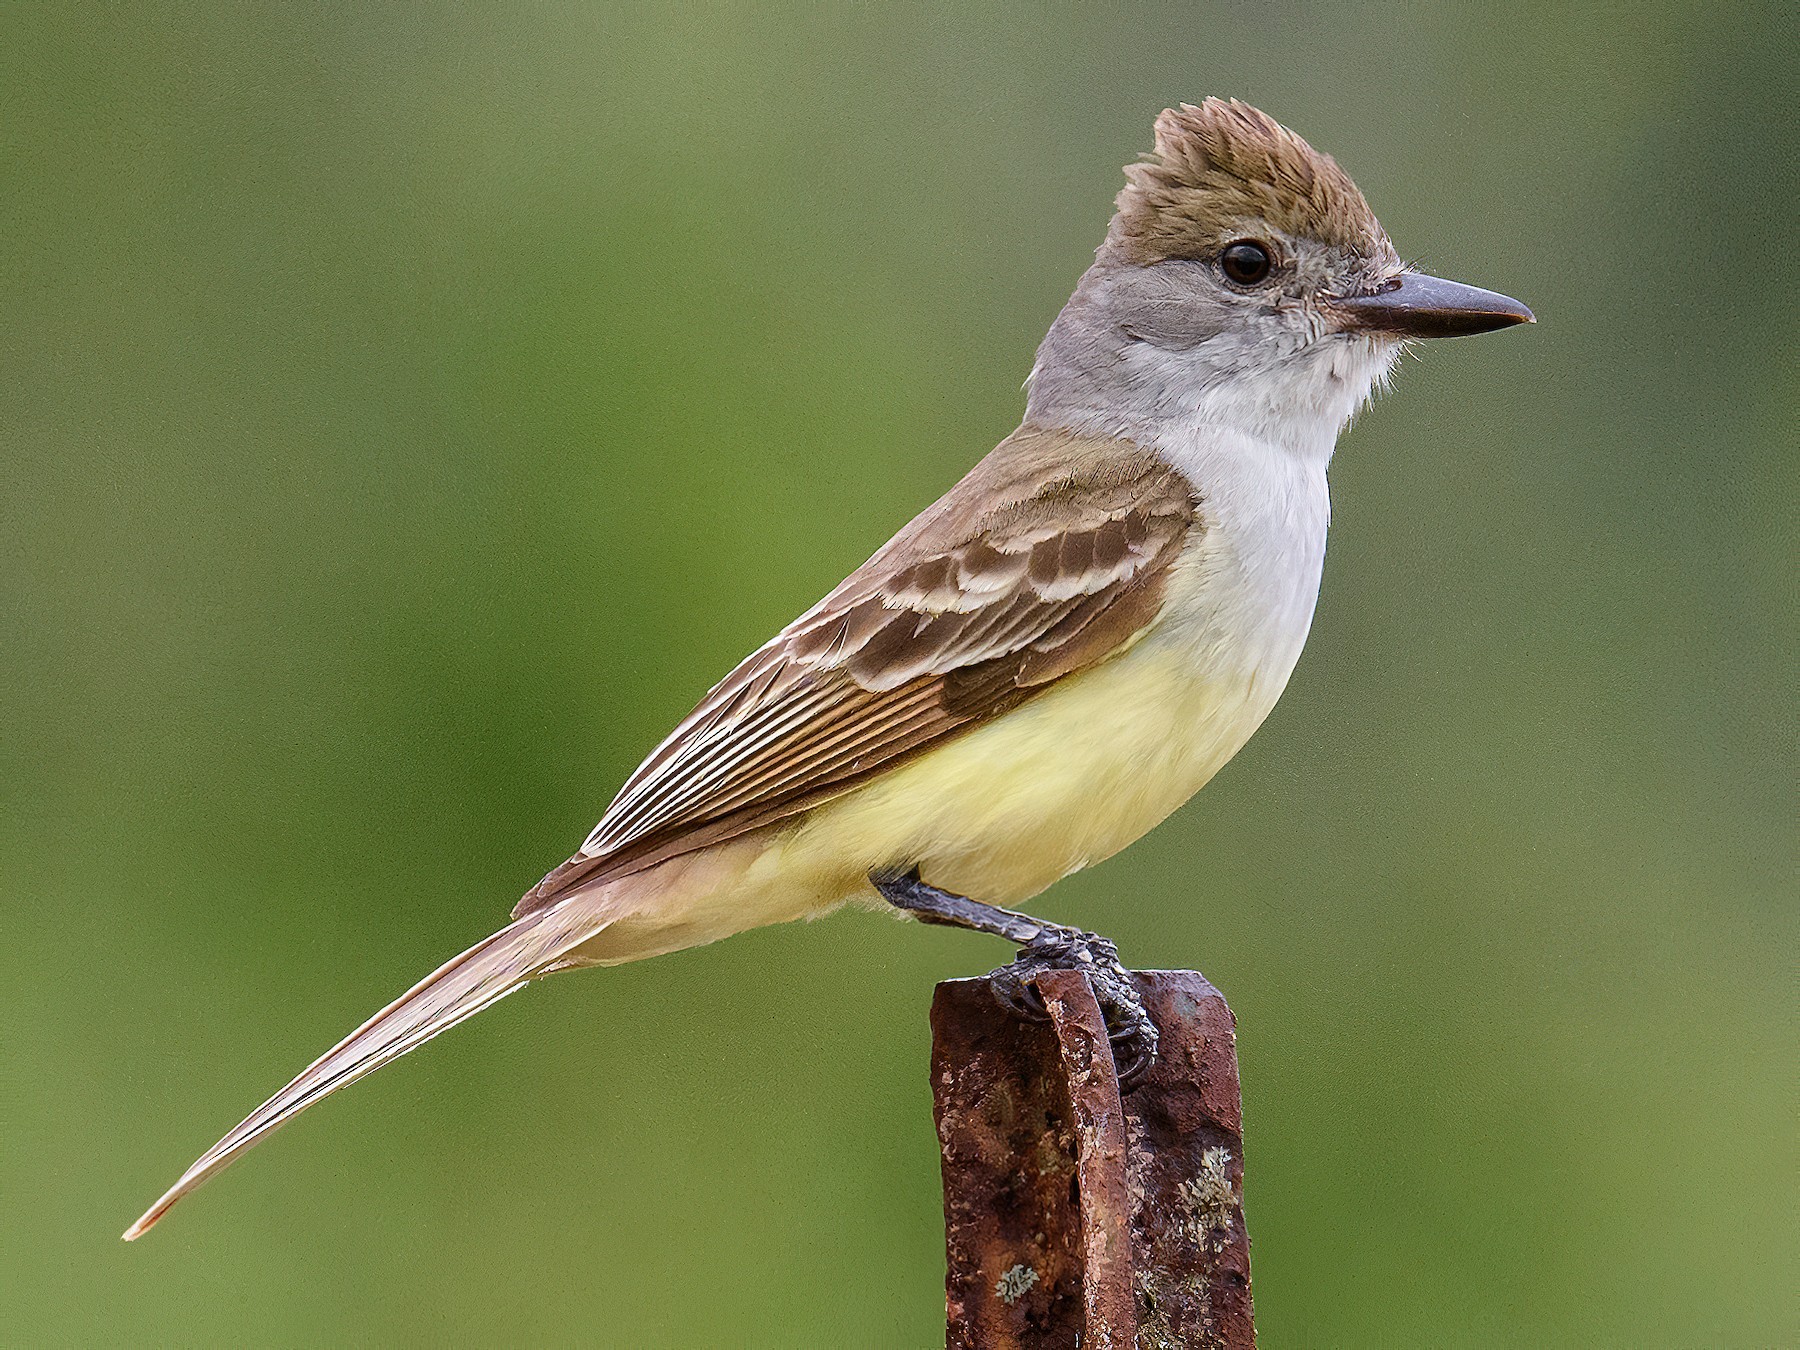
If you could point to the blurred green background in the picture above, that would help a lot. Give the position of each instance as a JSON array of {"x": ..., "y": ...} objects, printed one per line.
[{"x": 409, "y": 411}]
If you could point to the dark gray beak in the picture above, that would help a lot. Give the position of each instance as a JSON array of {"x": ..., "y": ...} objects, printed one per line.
[{"x": 1419, "y": 306}]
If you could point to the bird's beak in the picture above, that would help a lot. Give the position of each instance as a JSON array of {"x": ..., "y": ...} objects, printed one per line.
[{"x": 1418, "y": 306}]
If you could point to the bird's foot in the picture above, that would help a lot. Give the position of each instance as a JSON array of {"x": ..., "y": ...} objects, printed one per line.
[
  {"x": 1128, "y": 1025},
  {"x": 1042, "y": 946}
]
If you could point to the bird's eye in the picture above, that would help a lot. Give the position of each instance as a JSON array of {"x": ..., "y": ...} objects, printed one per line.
[{"x": 1246, "y": 262}]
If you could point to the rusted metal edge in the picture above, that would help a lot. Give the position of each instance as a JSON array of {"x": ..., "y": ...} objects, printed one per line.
[{"x": 1102, "y": 1185}]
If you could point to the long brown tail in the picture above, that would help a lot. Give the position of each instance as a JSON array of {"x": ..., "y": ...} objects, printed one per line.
[{"x": 458, "y": 989}]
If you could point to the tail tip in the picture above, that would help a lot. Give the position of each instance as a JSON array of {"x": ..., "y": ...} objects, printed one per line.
[{"x": 147, "y": 1220}]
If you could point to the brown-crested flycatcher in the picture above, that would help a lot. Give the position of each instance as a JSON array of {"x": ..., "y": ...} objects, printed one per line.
[{"x": 1046, "y": 662}]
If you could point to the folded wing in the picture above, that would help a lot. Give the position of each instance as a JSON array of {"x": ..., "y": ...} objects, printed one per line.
[{"x": 1049, "y": 557}]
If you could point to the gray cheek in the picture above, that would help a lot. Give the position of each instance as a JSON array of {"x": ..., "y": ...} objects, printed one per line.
[
  {"x": 1171, "y": 318},
  {"x": 1173, "y": 305}
]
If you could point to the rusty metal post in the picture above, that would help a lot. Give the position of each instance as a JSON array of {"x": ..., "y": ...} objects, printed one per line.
[{"x": 1074, "y": 1218}]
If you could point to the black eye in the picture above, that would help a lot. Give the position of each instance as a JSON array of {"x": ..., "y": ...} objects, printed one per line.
[{"x": 1246, "y": 262}]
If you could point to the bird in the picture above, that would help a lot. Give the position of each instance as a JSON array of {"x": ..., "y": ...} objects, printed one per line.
[{"x": 1046, "y": 662}]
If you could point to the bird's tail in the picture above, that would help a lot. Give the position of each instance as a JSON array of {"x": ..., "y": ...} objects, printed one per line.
[{"x": 460, "y": 988}]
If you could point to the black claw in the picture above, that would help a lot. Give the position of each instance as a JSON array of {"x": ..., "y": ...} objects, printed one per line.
[
  {"x": 1133, "y": 1064},
  {"x": 1128, "y": 1027},
  {"x": 1018, "y": 994},
  {"x": 1133, "y": 1036}
]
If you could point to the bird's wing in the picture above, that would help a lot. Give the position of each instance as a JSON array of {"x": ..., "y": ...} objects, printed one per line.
[{"x": 1049, "y": 557}]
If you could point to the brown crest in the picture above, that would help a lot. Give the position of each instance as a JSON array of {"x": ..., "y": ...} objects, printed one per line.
[{"x": 1222, "y": 170}]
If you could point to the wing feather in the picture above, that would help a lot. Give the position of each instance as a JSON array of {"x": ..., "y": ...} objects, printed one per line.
[{"x": 1049, "y": 557}]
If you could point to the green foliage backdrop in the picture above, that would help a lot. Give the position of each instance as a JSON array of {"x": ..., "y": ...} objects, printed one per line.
[{"x": 408, "y": 411}]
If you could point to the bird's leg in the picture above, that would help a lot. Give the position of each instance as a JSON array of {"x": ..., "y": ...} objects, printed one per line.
[{"x": 1042, "y": 946}]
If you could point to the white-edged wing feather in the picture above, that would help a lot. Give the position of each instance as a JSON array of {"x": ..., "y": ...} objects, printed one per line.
[{"x": 1050, "y": 556}]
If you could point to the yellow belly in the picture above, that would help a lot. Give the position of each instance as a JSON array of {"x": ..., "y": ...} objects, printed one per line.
[
  {"x": 998, "y": 814},
  {"x": 1064, "y": 781}
]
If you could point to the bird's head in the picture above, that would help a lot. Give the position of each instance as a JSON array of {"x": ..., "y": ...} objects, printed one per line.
[{"x": 1244, "y": 279}]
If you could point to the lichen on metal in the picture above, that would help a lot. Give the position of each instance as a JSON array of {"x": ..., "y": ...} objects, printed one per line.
[{"x": 1016, "y": 1283}]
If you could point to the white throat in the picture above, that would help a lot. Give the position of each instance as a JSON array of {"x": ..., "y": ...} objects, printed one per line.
[
  {"x": 1256, "y": 444},
  {"x": 1298, "y": 401}
]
